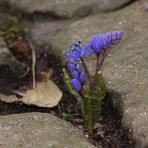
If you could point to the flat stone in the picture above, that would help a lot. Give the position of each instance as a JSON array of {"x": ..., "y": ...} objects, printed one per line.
[
  {"x": 41, "y": 32},
  {"x": 125, "y": 69},
  {"x": 67, "y": 8},
  {"x": 34, "y": 130}
]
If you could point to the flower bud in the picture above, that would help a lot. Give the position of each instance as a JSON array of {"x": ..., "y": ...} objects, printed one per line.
[
  {"x": 71, "y": 67},
  {"x": 75, "y": 74},
  {"x": 104, "y": 41},
  {"x": 76, "y": 84},
  {"x": 96, "y": 44},
  {"x": 82, "y": 77}
]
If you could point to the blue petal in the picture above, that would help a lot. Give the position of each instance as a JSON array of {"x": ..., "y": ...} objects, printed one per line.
[
  {"x": 75, "y": 74},
  {"x": 120, "y": 34},
  {"x": 96, "y": 44},
  {"x": 82, "y": 77},
  {"x": 114, "y": 35},
  {"x": 72, "y": 61},
  {"x": 89, "y": 52},
  {"x": 78, "y": 68},
  {"x": 103, "y": 39},
  {"x": 85, "y": 50},
  {"x": 72, "y": 55},
  {"x": 70, "y": 67},
  {"x": 76, "y": 84},
  {"x": 109, "y": 37}
]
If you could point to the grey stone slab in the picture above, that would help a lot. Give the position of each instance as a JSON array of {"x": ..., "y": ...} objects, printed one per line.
[
  {"x": 40, "y": 32},
  {"x": 39, "y": 130},
  {"x": 67, "y": 8}
]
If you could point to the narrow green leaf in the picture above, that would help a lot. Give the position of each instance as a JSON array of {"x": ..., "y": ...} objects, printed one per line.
[
  {"x": 88, "y": 110},
  {"x": 101, "y": 92},
  {"x": 67, "y": 82}
]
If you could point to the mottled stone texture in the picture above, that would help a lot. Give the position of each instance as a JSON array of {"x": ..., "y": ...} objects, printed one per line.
[
  {"x": 36, "y": 130},
  {"x": 67, "y": 8}
]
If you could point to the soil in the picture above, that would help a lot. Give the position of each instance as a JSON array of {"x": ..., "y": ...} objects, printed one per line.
[{"x": 108, "y": 132}]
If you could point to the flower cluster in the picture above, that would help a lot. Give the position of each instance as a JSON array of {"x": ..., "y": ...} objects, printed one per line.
[
  {"x": 77, "y": 51},
  {"x": 100, "y": 45},
  {"x": 102, "y": 41},
  {"x": 78, "y": 77}
]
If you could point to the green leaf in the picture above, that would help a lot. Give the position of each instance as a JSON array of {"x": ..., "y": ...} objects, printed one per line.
[
  {"x": 98, "y": 94},
  {"x": 67, "y": 81},
  {"x": 100, "y": 83},
  {"x": 88, "y": 110}
]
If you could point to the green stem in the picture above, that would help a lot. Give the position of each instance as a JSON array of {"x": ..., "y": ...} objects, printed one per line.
[
  {"x": 88, "y": 111},
  {"x": 105, "y": 53},
  {"x": 87, "y": 73}
]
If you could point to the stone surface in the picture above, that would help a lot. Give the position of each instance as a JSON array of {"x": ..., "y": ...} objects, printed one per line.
[
  {"x": 66, "y": 8},
  {"x": 126, "y": 68},
  {"x": 35, "y": 130},
  {"x": 41, "y": 32}
]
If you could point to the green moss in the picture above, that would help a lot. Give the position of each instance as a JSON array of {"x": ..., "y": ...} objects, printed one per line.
[{"x": 11, "y": 29}]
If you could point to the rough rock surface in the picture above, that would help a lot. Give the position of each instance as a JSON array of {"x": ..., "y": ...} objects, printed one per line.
[
  {"x": 41, "y": 32},
  {"x": 34, "y": 130},
  {"x": 67, "y": 8},
  {"x": 126, "y": 69}
]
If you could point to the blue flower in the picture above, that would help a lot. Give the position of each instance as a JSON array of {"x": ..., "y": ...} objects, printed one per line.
[
  {"x": 78, "y": 51},
  {"x": 101, "y": 41},
  {"x": 104, "y": 41},
  {"x": 82, "y": 77},
  {"x": 71, "y": 66},
  {"x": 77, "y": 75},
  {"x": 109, "y": 37},
  {"x": 76, "y": 84},
  {"x": 96, "y": 44},
  {"x": 114, "y": 37},
  {"x": 78, "y": 67}
]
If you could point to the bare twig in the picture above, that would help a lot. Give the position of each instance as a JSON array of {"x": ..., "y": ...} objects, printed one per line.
[{"x": 33, "y": 65}]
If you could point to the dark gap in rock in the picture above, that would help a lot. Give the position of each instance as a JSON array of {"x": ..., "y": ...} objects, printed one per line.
[{"x": 121, "y": 7}]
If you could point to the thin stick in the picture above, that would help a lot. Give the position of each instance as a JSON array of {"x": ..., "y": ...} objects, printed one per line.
[{"x": 33, "y": 65}]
